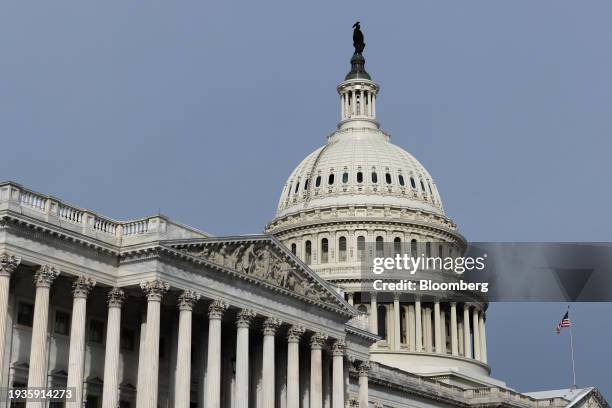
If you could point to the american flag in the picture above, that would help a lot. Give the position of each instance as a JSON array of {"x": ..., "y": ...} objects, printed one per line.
[{"x": 565, "y": 322}]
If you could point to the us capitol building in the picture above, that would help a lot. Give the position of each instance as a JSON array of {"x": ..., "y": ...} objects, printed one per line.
[{"x": 151, "y": 313}]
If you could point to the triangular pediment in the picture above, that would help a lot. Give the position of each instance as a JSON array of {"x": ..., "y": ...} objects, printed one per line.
[{"x": 264, "y": 259}]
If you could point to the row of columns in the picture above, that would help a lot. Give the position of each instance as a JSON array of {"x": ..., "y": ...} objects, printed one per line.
[
  {"x": 147, "y": 388},
  {"x": 357, "y": 103},
  {"x": 467, "y": 335}
]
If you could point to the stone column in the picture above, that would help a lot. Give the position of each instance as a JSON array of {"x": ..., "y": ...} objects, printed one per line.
[
  {"x": 338, "y": 351},
  {"x": 373, "y": 105},
  {"x": 268, "y": 380},
  {"x": 364, "y": 369},
  {"x": 76, "y": 356},
  {"x": 245, "y": 317},
  {"x": 8, "y": 265},
  {"x": 397, "y": 336},
  {"x": 37, "y": 373},
  {"x": 476, "y": 331},
  {"x": 460, "y": 337},
  {"x": 437, "y": 327},
  {"x": 110, "y": 393},
  {"x": 213, "y": 363},
  {"x": 418, "y": 325},
  {"x": 467, "y": 342},
  {"x": 373, "y": 313},
  {"x": 182, "y": 387},
  {"x": 317, "y": 341},
  {"x": 443, "y": 330},
  {"x": 483, "y": 338},
  {"x": 453, "y": 329},
  {"x": 154, "y": 290},
  {"x": 427, "y": 330},
  {"x": 293, "y": 366},
  {"x": 411, "y": 328},
  {"x": 351, "y": 297}
]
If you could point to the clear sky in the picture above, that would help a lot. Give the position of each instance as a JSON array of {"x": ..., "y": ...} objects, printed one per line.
[{"x": 200, "y": 110}]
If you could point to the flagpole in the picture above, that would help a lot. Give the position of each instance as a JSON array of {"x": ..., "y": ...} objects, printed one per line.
[{"x": 572, "y": 348}]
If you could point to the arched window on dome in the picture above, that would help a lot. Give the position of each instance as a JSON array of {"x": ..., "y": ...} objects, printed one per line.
[
  {"x": 361, "y": 247},
  {"x": 380, "y": 246},
  {"x": 428, "y": 249},
  {"x": 397, "y": 245},
  {"x": 330, "y": 179},
  {"x": 308, "y": 252},
  {"x": 359, "y": 177},
  {"x": 342, "y": 249},
  {"x": 441, "y": 251},
  {"x": 403, "y": 325},
  {"x": 388, "y": 178},
  {"x": 382, "y": 321},
  {"x": 318, "y": 181},
  {"x": 422, "y": 186},
  {"x": 401, "y": 180},
  {"x": 324, "y": 250},
  {"x": 297, "y": 187},
  {"x": 374, "y": 177},
  {"x": 412, "y": 182},
  {"x": 306, "y": 184},
  {"x": 293, "y": 248},
  {"x": 345, "y": 177},
  {"x": 413, "y": 248}
]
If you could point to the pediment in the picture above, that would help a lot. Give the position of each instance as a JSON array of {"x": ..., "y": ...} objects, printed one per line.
[{"x": 264, "y": 260}]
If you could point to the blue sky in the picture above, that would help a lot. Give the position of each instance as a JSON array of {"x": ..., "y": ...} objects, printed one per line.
[{"x": 200, "y": 110}]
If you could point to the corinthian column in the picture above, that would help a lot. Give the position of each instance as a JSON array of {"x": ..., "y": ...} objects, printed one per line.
[
  {"x": 8, "y": 264},
  {"x": 453, "y": 328},
  {"x": 110, "y": 393},
  {"x": 373, "y": 313},
  {"x": 76, "y": 357},
  {"x": 338, "y": 350},
  {"x": 213, "y": 364},
  {"x": 293, "y": 366},
  {"x": 182, "y": 392},
  {"x": 483, "y": 338},
  {"x": 245, "y": 317},
  {"x": 418, "y": 325},
  {"x": 437, "y": 327},
  {"x": 37, "y": 373},
  {"x": 267, "y": 387},
  {"x": 364, "y": 369},
  {"x": 154, "y": 290},
  {"x": 316, "y": 374},
  {"x": 476, "y": 331},
  {"x": 467, "y": 342}
]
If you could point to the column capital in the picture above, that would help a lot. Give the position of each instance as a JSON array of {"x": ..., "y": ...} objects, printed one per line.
[
  {"x": 372, "y": 296},
  {"x": 364, "y": 368},
  {"x": 82, "y": 286},
  {"x": 188, "y": 299},
  {"x": 8, "y": 264},
  {"x": 45, "y": 275},
  {"x": 115, "y": 297},
  {"x": 396, "y": 296},
  {"x": 217, "y": 308},
  {"x": 339, "y": 347},
  {"x": 317, "y": 340},
  {"x": 453, "y": 304},
  {"x": 294, "y": 333},
  {"x": 270, "y": 325},
  {"x": 245, "y": 317},
  {"x": 155, "y": 289}
]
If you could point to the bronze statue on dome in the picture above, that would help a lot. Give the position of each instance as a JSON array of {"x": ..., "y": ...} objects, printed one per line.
[{"x": 358, "y": 38}]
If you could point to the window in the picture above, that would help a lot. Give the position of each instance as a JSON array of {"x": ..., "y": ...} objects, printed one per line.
[
  {"x": 401, "y": 180},
  {"x": 308, "y": 252},
  {"x": 397, "y": 245},
  {"x": 297, "y": 187},
  {"x": 361, "y": 247},
  {"x": 62, "y": 323},
  {"x": 318, "y": 181},
  {"x": 380, "y": 247},
  {"x": 342, "y": 248},
  {"x": 388, "y": 178},
  {"x": 412, "y": 183},
  {"x": 127, "y": 339},
  {"x": 25, "y": 314},
  {"x": 422, "y": 186},
  {"x": 306, "y": 184},
  {"x": 428, "y": 249},
  {"x": 345, "y": 178},
  {"x": 382, "y": 322},
  {"x": 440, "y": 251},
  {"x": 413, "y": 248},
  {"x": 429, "y": 186},
  {"x": 324, "y": 250},
  {"x": 293, "y": 248},
  {"x": 360, "y": 177},
  {"x": 92, "y": 402},
  {"x": 96, "y": 331},
  {"x": 374, "y": 177},
  {"x": 330, "y": 179}
]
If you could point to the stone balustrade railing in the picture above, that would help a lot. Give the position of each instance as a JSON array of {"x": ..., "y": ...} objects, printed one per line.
[{"x": 21, "y": 200}]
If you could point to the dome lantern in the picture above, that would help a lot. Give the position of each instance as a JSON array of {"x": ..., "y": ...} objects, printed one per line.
[{"x": 358, "y": 97}]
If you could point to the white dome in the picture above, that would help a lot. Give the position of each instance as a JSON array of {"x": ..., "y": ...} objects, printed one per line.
[{"x": 359, "y": 167}]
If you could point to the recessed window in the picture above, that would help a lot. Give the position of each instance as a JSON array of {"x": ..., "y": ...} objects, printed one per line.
[
  {"x": 345, "y": 178},
  {"x": 342, "y": 248},
  {"x": 401, "y": 180},
  {"x": 96, "y": 331},
  {"x": 25, "y": 314},
  {"x": 429, "y": 186},
  {"x": 127, "y": 339},
  {"x": 412, "y": 183},
  {"x": 318, "y": 181},
  {"x": 308, "y": 252},
  {"x": 388, "y": 178},
  {"x": 293, "y": 248},
  {"x": 440, "y": 251},
  {"x": 397, "y": 245},
  {"x": 428, "y": 249},
  {"x": 324, "y": 250},
  {"x": 413, "y": 248},
  {"x": 361, "y": 247},
  {"x": 330, "y": 179},
  {"x": 297, "y": 187},
  {"x": 360, "y": 177},
  {"x": 62, "y": 323},
  {"x": 422, "y": 186},
  {"x": 380, "y": 247},
  {"x": 374, "y": 177},
  {"x": 306, "y": 184}
]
